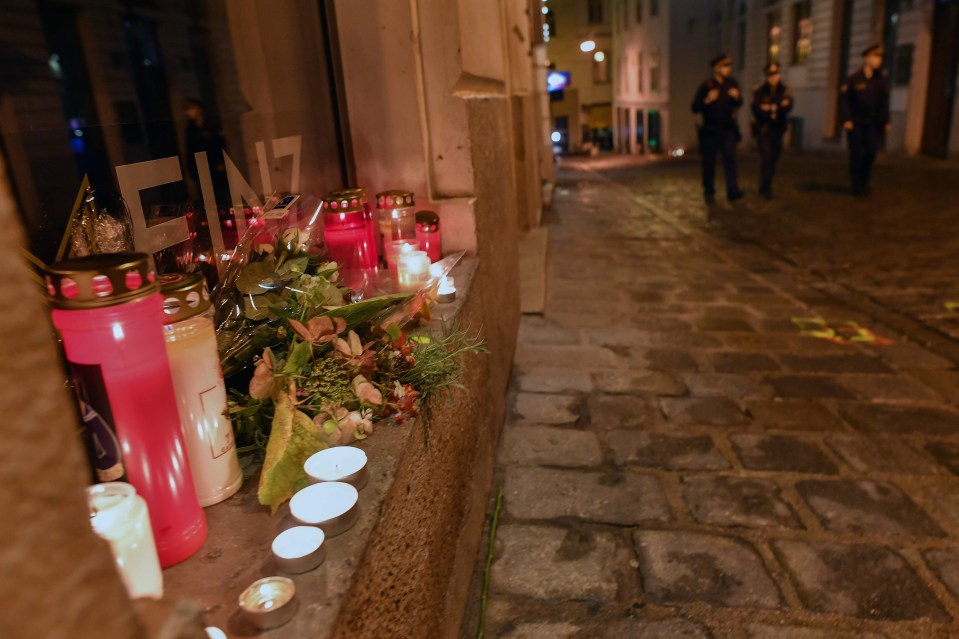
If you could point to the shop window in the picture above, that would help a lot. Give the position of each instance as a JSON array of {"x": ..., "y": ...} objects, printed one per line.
[
  {"x": 549, "y": 26},
  {"x": 625, "y": 15},
  {"x": 653, "y": 8},
  {"x": 774, "y": 33},
  {"x": 595, "y": 10},
  {"x": 802, "y": 31},
  {"x": 146, "y": 86},
  {"x": 639, "y": 11}
]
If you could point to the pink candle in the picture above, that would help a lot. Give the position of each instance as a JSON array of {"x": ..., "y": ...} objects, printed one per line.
[
  {"x": 350, "y": 210},
  {"x": 428, "y": 234},
  {"x": 110, "y": 315}
]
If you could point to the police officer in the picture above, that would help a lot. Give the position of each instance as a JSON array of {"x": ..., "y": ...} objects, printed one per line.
[
  {"x": 771, "y": 105},
  {"x": 717, "y": 99},
  {"x": 864, "y": 110}
]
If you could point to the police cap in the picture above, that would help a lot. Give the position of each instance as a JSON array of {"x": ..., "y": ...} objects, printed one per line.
[
  {"x": 722, "y": 58},
  {"x": 771, "y": 69},
  {"x": 871, "y": 49}
]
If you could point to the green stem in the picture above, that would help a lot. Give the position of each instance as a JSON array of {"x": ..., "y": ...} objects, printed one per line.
[{"x": 489, "y": 562}]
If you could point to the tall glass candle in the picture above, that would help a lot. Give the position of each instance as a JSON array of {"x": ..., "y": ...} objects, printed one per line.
[
  {"x": 200, "y": 391},
  {"x": 412, "y": 270},
  {"x": 395, "y": 249},
  {"x": 369, "y": 220},
  {"x": 120, "y": 516},
  {"x": 348, "y": 231},
  {"x": 395, "y": 215},
  {"x": 109, "y": 314},
  {"x": 428, "y": 234}
]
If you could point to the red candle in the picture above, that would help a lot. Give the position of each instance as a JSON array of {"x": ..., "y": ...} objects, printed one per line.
[
  {"x": 428, "y": 234},
  {"x": 109, "y": 314},
  {"x": 348, "y": 229}
]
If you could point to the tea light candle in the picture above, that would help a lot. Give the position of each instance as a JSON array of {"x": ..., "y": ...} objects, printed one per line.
[
  {"x": 340, "y": 463},
  {"x": 330, "y": 505},
  {"x": 120, "y": 516},
  {"x": 268, "y": 602},
  {"x": 446, "y": 292},
  {"x": 413, "y": 270},
  {"x": 212, "y": 632},
  {"x": 299, "y": 549}
]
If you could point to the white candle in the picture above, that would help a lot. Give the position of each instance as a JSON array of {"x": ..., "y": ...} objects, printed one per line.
[
  {"x": 446, "y": 292},
  {"x": 340, "y": 463},
  {"x": 413, "y": 270},
  {"x": 212, "y": 632},
  {"x": 299, "y": 549},
  {"x": 120, "y": 516},
  {"x": 330, "y": 505}
]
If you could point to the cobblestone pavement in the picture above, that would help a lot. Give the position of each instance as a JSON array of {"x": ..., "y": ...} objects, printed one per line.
[{"x": 681, "y": 462}]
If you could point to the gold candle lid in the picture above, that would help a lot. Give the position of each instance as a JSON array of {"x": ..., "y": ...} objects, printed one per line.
[
  {"x": 345, "y": 201},
  {"x": 97, "y": 281},
  {"x": 184, "y": 295},
  {"x": 427, "y": 221},
  {"x": 394, "y": 199}
]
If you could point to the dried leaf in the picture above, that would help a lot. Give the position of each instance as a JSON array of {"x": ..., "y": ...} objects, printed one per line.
[{"x": 293, "y": 438}]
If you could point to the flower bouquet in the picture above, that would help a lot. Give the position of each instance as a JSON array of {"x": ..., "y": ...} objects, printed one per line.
[{"x": 327, "y": 363}]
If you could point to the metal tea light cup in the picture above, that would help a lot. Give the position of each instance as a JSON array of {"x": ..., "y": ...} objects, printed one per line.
[
  {"x": 299, "y": 549},
  {"x": 346, "y": 464},
  {"x": 269, "y": 602},
  {"x": 332, "y": 506}
]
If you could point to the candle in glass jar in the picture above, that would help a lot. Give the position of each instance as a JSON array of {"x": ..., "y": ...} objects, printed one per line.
[
  {"x": 198, "y": 381},
  {"x": 428, "y": 234},
  {"x": 120, "y": 516},
  {"x": 395, "y": 249},
  {"x": 349, "y": 230},
  {"x": 413, "y": 270}
]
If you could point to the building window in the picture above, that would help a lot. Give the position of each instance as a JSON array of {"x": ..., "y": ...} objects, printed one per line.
[
  {"x": 623, "y": 76},
  {"x": 802, "y": 31},
  {"x": 549, "y": 26},
  {"x": 774, "y": 34},
  {"x": 600, "y": 68},
  {"x": 595, "y": 8},
  {"x": 741, "y": 44},
  {"x": 639, "y": 72},
  {"x": 639, "y": 11},
  {"x": 654, "y": 72},
  {"x": 653, "y": 8},
  {"x": 625, "y": 15}
]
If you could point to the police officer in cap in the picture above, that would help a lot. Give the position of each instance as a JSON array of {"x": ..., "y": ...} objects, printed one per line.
[
  {"x": 864, "y": 110},
  {"x": 717, "y": 100},
  {"x": 771, "y": 105}
]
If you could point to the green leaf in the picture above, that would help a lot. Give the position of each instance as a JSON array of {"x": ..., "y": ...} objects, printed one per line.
[
  {"x": 365, "y": 310},
  {"x": 255, "y": 275},
  {"x": 393, "y": 331},
  {"x": 293, "y": 439},
  {"x": 299, "y": 358},
  {"x": 296, "y": 265}
]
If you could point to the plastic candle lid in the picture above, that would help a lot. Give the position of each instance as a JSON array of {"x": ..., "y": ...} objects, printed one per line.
[
  {"x": 335, "y": 463},
  {"x": 322, "y": 502},
  {"x": 298, "y": 541}
]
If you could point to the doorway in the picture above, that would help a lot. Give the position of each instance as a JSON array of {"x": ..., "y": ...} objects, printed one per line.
[{"x": 943, "y": 66}]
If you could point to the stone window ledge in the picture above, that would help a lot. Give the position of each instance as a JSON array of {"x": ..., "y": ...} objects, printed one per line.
[{"x": 237, "y": 550}]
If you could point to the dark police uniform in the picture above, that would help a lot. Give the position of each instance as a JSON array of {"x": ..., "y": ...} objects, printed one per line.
[
  {"x": 719, "y": 133},
  {"x": 769, "y": 125},
  {"x": 865, "y": 102}
]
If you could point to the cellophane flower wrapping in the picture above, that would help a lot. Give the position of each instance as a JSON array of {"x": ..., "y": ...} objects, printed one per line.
[{"x": 313, "y": 363}]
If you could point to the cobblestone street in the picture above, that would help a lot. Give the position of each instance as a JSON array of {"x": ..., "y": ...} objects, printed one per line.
[{"x": 737, "y": 423}]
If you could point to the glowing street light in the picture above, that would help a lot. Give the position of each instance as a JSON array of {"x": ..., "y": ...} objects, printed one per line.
[
  {"x": 556, "y": 136},
  {"x": 599, "y": 56},
  {"x": 586, "y": 46}
]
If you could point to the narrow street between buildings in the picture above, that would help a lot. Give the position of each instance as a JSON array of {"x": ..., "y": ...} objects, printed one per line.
[{"x": 737, "y": 422}]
